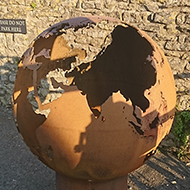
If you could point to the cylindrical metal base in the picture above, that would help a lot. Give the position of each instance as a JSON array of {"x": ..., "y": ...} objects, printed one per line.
[{"x": 66, "y": 183}]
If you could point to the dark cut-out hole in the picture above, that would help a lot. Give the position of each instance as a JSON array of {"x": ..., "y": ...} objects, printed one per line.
[
  {"x": 103, "y": 119},
  {"x": 119, "y": 68},
  {"x": 96, "y": 112}
]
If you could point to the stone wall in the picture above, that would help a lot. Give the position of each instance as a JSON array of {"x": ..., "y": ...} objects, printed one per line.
[{"x": 166, "y": 21}]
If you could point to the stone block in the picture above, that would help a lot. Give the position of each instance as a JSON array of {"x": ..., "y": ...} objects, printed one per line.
[
  {"x": 2, "y": 92},
  {"x": 184, "y": 102},
  {"x": 188, "y": 19},
  {"x": 165, "y": 17},
  {"x": 180, "y": 18},
  {"x": 4, "y": 77},
  {"x": 88, "y": 5},
  {"x": 123, "y": 5},
  {"x": 98, "y": 5},
  {"x": 176, "y": 64},
  {"x": 172, "y": 45}
]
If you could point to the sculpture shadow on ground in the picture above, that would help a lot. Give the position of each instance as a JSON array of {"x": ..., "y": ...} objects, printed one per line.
[
  {"x": 19, "y": 168},
  {"x": 162, "y": 171}
]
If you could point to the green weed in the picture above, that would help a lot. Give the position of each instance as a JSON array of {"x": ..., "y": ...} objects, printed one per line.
[
  {"x": 181, "y": 127},
  {"x": 181, "y": 131},
  {"x": 17, "y": 60},
  {"x": 33, "y": 5}
]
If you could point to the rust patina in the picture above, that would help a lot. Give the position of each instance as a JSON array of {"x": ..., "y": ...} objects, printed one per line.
[{"x": 94, "y": 113}]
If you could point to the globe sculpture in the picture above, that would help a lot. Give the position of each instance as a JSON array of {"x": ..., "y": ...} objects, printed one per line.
[{"x": 93, "y": 98}]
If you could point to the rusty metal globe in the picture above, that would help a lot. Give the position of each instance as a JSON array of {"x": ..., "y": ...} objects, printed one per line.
[{"x": 94, "y": 97}]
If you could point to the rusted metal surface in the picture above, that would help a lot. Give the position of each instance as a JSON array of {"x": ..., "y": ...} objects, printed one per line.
[{"x": 94, "y": 111}]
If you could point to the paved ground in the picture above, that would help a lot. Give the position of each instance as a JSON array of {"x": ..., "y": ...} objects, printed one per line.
[{"x": 21, "y": 170}]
